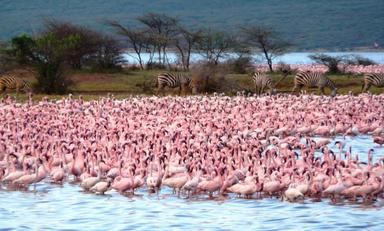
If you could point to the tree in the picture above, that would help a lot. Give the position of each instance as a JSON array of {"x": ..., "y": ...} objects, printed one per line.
[
  {"x": 161, "y": 30},
  {"x": 333, "y": 63},
  {"x": 50, "y": 56},
  {"x": 92, "y": 48},
  {"x": 241, "y": 58},
  {"x": 214, "y": 45},
  {"x": 21, "y": 49},
  {"x": 107, "y": 55},
  {"x": 265, "y": 40},
  {"x": 184, "y": 43},
  {"x": 5, "y": 59},
  {"x": 136, "y": 38}
]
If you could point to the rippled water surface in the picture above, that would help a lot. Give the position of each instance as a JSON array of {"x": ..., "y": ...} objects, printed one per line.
[{"x": 67, "y": 208}]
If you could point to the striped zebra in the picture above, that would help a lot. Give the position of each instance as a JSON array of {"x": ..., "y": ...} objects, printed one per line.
[
  {"x": 11, "y": 82},
  {"x": 373, "y": 79},
  {"x": 174, "y": 80},
  {"x": 262, "y": 81},
  {"x": 314, "y": 79}
]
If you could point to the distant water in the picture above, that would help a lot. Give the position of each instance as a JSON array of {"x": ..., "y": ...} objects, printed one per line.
[
  {"x": 289, "y": 58},
  {"x": 66, "y": 207}
]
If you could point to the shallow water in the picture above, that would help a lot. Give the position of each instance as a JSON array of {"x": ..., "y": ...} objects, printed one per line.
[
  {"x": 289, "y": 58},
  {"x": 68, "y": 208}
]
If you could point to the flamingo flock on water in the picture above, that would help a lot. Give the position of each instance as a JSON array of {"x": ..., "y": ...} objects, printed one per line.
[
  {"x": 351, "y": 69},
  {"x": 197, "y": 145}
]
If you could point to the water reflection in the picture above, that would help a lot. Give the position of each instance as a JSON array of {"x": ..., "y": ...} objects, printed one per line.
[{"x": 67, "y": 207}]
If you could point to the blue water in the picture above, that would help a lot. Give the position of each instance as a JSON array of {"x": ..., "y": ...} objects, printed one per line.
[
  {"x": 66, "y": 207},
  {"x": 289, "y": 58}
]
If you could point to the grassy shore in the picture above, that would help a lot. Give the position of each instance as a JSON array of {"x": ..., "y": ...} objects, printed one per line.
[{"x": 92, "y": 85}]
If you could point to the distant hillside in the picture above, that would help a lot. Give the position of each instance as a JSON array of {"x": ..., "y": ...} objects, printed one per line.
[{"x": 321, "y": 24}]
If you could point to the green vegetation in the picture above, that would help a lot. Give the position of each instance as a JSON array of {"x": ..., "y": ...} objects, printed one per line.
[
  {"x": 61, "y": 48},
  {"x": 93, "y": 85}
]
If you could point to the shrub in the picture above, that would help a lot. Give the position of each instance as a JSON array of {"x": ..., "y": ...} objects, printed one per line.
[
  {"x": 92, "y": 48},
  {"x": 50, "y": 54},
  {"x": 241, "y": 65},
  {"x": 359, "y": 60},
  {"x": 51, "y": 78},
  {"x": 208, "y": 78},
  {"x": 155, "y": 65},
  {"x": 331, "y": 62}
]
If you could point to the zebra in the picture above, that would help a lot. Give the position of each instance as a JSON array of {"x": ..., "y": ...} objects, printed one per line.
[
  {"x": 375, "y": 79},
  {"x": 314, "y": 79},
  {"x": 11, "y": 82},
  {"x": 262, "y": 80},
  {"x": 174, "y": 80}
]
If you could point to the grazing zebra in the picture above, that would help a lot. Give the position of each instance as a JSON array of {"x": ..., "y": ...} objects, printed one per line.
[
  {"x": 263, "y": 80},
  {"x": 376, "y": 80},
  {"x": 11, "y": 82},
  {"x": 174, "y": 80},
  {"x": 314, "y": 79}
]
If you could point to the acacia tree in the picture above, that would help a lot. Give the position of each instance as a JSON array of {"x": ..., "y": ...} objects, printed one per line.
[
  {"x": 214, "y": 45},
  {"x": 161, "y": 28},
  {"x": 185, "y": 42},
  {"x": 136, "y": 38},
  {"x": 265, "y": 40}
]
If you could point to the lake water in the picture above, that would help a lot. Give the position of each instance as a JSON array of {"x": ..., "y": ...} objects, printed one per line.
[
  {"x": 289, "y": 58},
  {"x": 66, "y": 207}
]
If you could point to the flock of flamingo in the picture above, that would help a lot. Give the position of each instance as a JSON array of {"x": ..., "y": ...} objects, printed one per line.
[
  {"x": 351, "y": 69},
  {"x": 199, "y": 146}
]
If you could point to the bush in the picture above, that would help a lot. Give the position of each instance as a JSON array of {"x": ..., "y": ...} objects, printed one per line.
[
  {"x": 284, "y": 68},
  {"x": 147, "y": 86},
  {"x": 155, "y": 65},
  {"x": 331, "y": 62},
  {"x": 6, "y": 61},
  {"x": 50, "y": 53},
  {"x": 51, "y": 78},
  {"x": 91, "y": 49},
  {"x": 241, "y": 65},
  {"x": 208, "y": 78},
  {"x": 359, "y": 60},
  {"x": 22, "y": 49}
]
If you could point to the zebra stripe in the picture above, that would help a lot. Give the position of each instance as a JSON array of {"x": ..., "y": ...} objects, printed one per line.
[
  {"x": 173, "y": 80},
  {"x": 13, "y": 83},
  {"x": 373, "y": 79},
  {"x": 262, "y": 81},
  {"x": 314, "y": 79}
]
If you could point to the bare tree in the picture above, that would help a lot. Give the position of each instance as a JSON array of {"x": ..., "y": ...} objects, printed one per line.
[
  {"x": 184, "y": 43},
  {"x": 215, "y": 45},
  {"x": 162, "y": 29},
  {"x": 136, "y": 39},
  {"x": 265, "y": 40}
]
